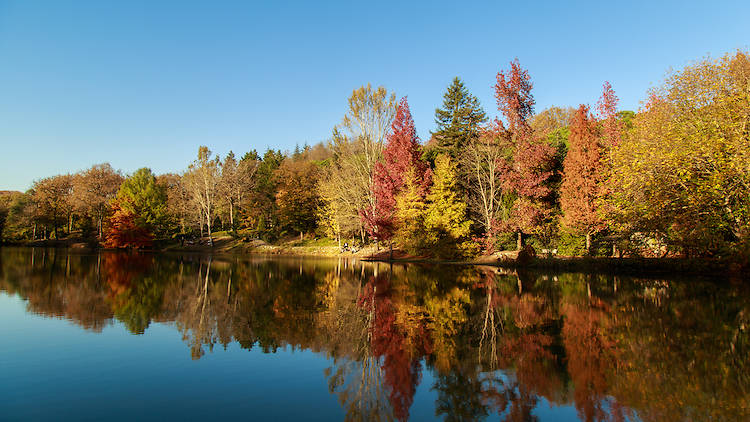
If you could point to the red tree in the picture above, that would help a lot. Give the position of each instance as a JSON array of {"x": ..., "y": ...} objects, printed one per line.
[
  {"x": 607, "y": 113},
  {"x": 582, "y": 178},
  {"x": 124, "y": 232},
  {"x": 528, "y": 171},
  {"x": 401, "y": 152}
]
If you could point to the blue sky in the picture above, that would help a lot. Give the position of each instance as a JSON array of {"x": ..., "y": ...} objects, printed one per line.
[{"x": 144, "y": 83}]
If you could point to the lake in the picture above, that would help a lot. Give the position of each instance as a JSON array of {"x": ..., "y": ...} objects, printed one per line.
[{"x": 141, "y": 336}]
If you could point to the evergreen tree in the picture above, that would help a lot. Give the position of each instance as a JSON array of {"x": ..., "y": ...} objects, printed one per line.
[
  {"x": 458, "y": 120},
  {"x": 445, "y": 220}
]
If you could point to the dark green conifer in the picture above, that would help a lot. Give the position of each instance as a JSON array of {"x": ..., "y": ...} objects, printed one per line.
[{"x": 458, "y": 120}]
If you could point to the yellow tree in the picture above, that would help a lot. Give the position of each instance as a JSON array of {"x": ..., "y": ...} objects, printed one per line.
[
  {"x": 446, "y": 222},
  {"x": 683, "y": 172}
]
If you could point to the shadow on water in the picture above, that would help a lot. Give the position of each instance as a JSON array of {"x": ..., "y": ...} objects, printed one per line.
[{"x": 496, "y": 342}]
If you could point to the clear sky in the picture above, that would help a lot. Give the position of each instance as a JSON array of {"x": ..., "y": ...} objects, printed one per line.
[{"x": 144, "y": 83}]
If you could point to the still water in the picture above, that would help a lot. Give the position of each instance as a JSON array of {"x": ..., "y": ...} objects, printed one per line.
[{"x": 127, "y": 336}]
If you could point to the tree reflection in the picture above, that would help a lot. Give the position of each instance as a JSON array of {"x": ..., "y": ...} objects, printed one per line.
[{"x": 497, "y": 342}]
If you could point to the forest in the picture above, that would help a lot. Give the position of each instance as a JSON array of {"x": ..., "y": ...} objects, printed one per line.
[{"x": 671, "y": 179}]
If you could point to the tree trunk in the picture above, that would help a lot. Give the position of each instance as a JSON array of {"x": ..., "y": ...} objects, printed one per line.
[
  {"x": 588, "y": 243},
  {"x": 101, "y": 217},
  {"x": 231, "y": 214},
  {"x": 519, "y": 241},
  {"x": 208, "y": 226},
  {"x": 33, "y": 232},
  {"x": 301, "y": 236}
]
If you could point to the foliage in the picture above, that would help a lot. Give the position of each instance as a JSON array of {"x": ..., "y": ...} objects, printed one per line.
[
  {"x": 458, "y": 120},
  {"x": 144, "y": 199},
  {"x": 297, "y": 198},
  {"x": 357, "y": 145},
  {"x": 581, "y": 186},
  {"x": 446, "y": 221},
  {"x": 528, "y": 170},
  {"x": 401, "y": 155},
  {"x": 94, "y": 189},
  {"x": 124, "y": 231},
  {"x": 682, "y": 173},
  {"x": 410, "y": 214},
  {"x": 52, "y": 197}
]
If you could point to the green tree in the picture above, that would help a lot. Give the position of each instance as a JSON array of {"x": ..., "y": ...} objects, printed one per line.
[
  {"x": 458, "y": 120},
  {"x": 141, "y": 196},
  {"x": 259, "y": 210}
]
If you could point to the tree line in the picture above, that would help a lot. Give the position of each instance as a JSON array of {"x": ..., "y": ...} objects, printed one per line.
[{"x": 671, "y": 179}]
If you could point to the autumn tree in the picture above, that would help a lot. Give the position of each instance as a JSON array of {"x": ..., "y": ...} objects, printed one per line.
[
  {"x": 357, "y": 144},
  {"x": 202, "y": 181},
  {"x": 581, "y": 186},
  {"x": 527, "y": 172},
  {"x": 458, "y": 120},
  {"x": 53, "y": 197},
  {"x": 400, "y": 155},
  {"x": 124, "y": 230},
  {"x": 681, "y": 174},
  {"x": 297, "y": 197},
  {"x": 6, "y": 198},
  {"x": 179, "y": 206},
  {"x": 611, "y": 125},
  {"x": 93, "y": 191},
  {"x": 445, "y": 220},
  {"x": 236, "y": 181},
  {"x": 144, "y": 199},
  {"x": 410, "y": 211}
]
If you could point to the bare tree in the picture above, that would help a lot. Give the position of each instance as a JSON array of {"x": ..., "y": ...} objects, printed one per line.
[
  {"x": 202, "y": 181},
  {"x": 482, "y": 160},
  {"x": 236, "y": 180},
  {"x": 358, "y": 144}
]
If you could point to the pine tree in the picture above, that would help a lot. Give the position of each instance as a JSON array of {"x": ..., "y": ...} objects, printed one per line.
[
  {"x": 458, "y": 120},
  {"x": 582, "y": 177},
  {"x": 445, "y": 220}
]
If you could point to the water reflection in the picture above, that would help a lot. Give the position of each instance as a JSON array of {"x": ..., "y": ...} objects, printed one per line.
[{"x": 496, "y": 342}]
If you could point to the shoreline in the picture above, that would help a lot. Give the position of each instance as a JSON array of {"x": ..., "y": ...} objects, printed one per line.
[{"x": 594, "y": 265}]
